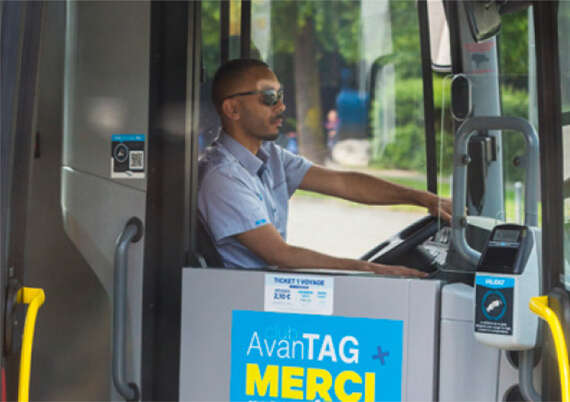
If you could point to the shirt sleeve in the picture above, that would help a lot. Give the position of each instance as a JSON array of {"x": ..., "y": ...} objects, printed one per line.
[
  {"x": 230, "y": 206},
  {"x": 296, "y": 167}
]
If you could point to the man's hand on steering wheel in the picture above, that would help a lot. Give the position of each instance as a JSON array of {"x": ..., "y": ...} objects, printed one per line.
[{"x": 440, "y": 207}]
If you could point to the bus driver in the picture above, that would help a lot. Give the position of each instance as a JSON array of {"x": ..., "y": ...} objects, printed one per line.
[{"x": 246, "y": 180}]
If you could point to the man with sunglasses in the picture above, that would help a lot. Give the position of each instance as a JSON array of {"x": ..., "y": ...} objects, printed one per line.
[{"x": 245, "y": 179}]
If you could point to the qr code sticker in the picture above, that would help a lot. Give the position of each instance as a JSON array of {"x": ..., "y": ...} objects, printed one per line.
[{"x": 136, "y": 160}]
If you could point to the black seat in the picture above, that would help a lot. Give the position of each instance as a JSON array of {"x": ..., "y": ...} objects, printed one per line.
[{"x": 208, "y": 255}]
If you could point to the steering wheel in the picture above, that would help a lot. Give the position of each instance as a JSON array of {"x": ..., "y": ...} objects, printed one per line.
[{"x": 402, "y": 248}]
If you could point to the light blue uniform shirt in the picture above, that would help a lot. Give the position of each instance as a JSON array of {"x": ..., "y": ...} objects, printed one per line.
[{"x": 239, "y": 191}]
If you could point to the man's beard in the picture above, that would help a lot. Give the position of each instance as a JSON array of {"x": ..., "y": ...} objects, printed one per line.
[
  {"x": 263, "y": 132},
  {"x": 273, "y": 137},
  {"x": 270, "y": 137}
]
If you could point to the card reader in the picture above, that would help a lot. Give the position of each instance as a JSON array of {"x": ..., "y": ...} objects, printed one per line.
[{"x": 508, "y": 275}]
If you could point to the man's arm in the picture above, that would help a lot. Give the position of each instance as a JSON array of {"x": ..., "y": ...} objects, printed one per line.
[
  {"x": 267, "y": 243},
  {"x": 366, "y": 189}
]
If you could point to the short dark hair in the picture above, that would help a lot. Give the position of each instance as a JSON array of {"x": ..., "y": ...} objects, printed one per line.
[{"x": 228, "y": 72}]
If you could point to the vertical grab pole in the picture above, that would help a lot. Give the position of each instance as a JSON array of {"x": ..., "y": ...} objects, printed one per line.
[
  {"x": 461, "y": 160},
  {"x": 131, "y": 234},
  {"x": 539, "y": 306},
  {"x": 34, "y": 298}
]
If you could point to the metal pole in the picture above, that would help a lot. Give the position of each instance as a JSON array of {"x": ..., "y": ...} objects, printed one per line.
[{"x": 518, "y": 202}]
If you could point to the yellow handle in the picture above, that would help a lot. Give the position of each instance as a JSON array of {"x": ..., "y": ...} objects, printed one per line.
[
  {"x": 35, "y": 298},
  {"x": 539, "y": 306}
]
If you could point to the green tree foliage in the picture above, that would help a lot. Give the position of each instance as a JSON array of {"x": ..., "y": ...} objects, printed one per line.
[
  {"x": 335, "y": 33},
  {"x": 405, "y": 39},
  {"x": 407, "y": 150},
  {"x": 514, "y": 61},
  {"x": 210, "y": 21},
  {"x": 513, "y": 47},
  {"x": 514, "y": 93}
]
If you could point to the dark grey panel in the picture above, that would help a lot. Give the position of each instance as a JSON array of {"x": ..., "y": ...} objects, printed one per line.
[
  {"x": 106, "y": 92},
  {"x": 107, "y": 81},
  {"x": 95, "y": 212},
  {"x": 71, "y": 353}
]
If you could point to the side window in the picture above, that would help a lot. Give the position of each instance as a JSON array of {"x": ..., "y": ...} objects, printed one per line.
[
  {"x": 209, "y": 122},
  {"x": 564, "y": 55},
  {"x": 566, "y": 192},
  {"x": 517, "y": 72},
  {"x": 211, "y": 58},
  {"x": 518, "y": 99},
  {"x": 351, "y": 71}
]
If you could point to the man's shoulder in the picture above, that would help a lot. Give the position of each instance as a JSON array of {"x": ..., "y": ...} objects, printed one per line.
[
  {"x": 217, "y": 164},
  {"x": 214, "y": 160},
  {"x": 212, "y": 156}
]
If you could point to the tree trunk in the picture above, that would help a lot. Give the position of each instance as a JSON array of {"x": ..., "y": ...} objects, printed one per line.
[{"x": 308, "y": 96}]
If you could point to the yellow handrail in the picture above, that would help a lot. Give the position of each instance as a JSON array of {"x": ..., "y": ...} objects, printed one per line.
[
  {"x": 539, "y": 306},
  {"x": 34, "y": 298}
]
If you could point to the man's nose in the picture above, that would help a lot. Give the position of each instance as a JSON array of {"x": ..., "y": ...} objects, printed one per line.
[{"x": 281, "y": 106}]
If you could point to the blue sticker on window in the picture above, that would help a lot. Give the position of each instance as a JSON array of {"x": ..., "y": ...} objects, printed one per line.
[{"x": 127, "y": 156}]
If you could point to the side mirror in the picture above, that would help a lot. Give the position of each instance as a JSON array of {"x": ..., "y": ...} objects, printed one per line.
[{"x": 484, "y": 18}]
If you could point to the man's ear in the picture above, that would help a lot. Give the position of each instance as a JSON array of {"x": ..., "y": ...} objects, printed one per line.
[{"x": 230, "y": 108}]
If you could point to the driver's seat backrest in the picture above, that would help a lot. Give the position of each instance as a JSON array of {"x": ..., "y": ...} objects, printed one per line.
[{"x": 206, "y": 246}]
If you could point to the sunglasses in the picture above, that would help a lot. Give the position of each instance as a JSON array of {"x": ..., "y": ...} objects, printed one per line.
[{"x": 269, "y": 97}]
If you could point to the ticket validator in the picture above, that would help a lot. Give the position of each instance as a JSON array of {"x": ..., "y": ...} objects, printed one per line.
[{"x": 507, "y": 277}]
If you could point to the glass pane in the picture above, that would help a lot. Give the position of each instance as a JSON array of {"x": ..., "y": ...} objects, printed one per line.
[
  {"x": 351, "y": 71},
  {"x": 515, "y": 75},
  {"x": 439, "y": 37},
  {"x": 566, "y": 205},
  {"x": 444, "y": 132},
  {"x": 261, "y": 32},
  {"x": 564, "y": 54},
  {"x": 209, "y": 122},
  {"x": 235, "y": 29},
  {"x": 516, "y": 101}
]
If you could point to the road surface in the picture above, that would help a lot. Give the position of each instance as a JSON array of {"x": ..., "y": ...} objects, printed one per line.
[{"x": 340, "y": 228}]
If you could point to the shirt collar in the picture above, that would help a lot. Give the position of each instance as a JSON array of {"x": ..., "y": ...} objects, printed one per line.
[{"x": 252, "y": 163}]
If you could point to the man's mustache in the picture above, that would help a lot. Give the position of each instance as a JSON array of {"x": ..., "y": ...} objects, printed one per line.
[{"x": 277, "y": 117}]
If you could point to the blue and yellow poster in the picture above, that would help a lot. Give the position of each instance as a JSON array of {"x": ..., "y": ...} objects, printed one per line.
[{"x": 284, "y": 357}]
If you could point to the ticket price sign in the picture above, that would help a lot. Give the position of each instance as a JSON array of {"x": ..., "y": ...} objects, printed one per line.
[{"x": 285, "y": 357}]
